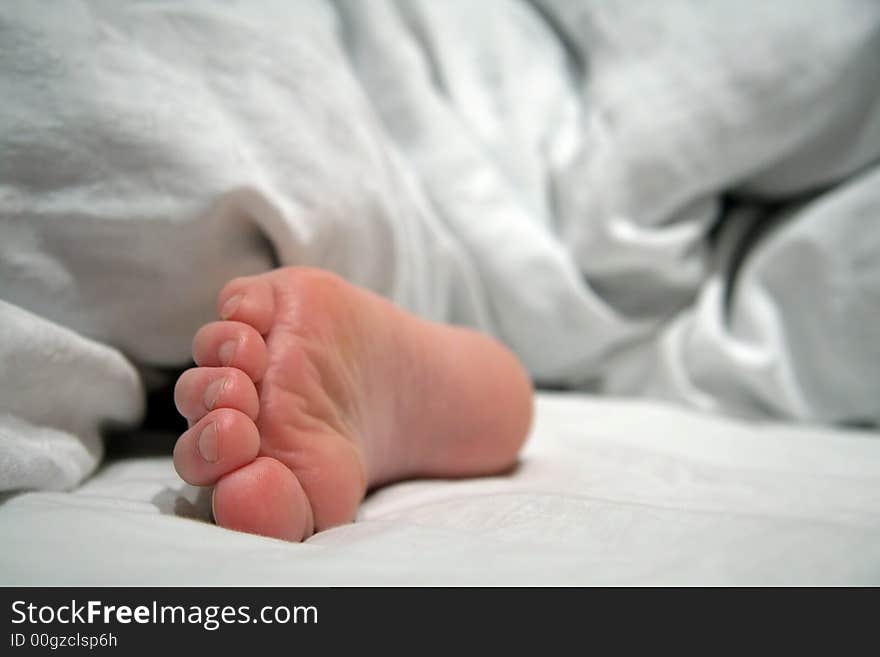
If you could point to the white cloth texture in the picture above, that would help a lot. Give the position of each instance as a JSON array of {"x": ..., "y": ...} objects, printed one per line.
[
  {"x": 674, "y": 199},
  {"x": 608, "y": 492}
]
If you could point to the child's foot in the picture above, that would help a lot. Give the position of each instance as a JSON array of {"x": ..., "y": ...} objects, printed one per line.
[{"x": 311, "y": 391}]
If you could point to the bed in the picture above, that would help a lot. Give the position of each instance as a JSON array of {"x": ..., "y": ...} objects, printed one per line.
[
  {"x": 614, "y": 190},
  {"x": 608, "y": 492}
]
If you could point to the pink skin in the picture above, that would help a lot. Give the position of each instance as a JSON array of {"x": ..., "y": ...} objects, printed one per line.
[{"x": 311, "y": 391}]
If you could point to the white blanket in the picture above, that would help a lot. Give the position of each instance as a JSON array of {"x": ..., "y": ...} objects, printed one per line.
[
  {"x": 552, "y": 173},
  {"x": 607, "y": 492}
]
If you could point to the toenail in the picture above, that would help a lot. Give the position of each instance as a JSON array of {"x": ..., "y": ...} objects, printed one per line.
[
  {"x": 227, "y": 351},
  {"x": 208, "y": 445},
  {"x": 230, "y": 306},
  {"x": 213, "y": 392}
]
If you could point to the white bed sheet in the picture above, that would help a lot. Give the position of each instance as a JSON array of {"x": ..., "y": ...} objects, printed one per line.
[
  {"x": 549, "y": 172},
  {"x": 608, "y": 492}
]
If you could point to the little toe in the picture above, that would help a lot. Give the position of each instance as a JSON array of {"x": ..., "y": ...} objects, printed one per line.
[
  {"x": 263, "y": 497},
  {"x": 248, "y": 299},
  {"x": 231, "y": 344},
  {"x": 200, "y": 390},
  {"x": 222, "y": 441}
]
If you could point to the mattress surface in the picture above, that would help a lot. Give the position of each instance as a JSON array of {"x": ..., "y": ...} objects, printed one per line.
[{"x": 607, "y": 492}]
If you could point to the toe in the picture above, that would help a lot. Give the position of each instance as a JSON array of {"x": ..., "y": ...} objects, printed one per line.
[
  {"x": 264, "y": 497},
  {"x": 250, "y": 300},
  {"x": 231, "y": 344},
  {"x": 220, "y": 442},
  {"x": 202, "y": 389}
]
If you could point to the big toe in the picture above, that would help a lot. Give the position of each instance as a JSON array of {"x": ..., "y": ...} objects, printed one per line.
[{"x": 263, "y": 497}]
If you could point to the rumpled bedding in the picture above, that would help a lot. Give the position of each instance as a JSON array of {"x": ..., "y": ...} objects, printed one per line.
[
  {"x": 608, "y": 492},
  {"x": 676, "y": 200}
]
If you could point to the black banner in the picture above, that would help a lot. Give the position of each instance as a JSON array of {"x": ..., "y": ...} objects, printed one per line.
[
  {"x": 123, "y": 620},
  {"x": 154, "y": 621}
]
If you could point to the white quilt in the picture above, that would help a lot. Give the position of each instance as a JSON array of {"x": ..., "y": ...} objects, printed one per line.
[
  {"x": 674, "y": 199},
  {"x": 607, "y": 492}
]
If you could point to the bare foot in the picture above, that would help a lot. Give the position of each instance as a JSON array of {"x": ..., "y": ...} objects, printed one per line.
[{"x": 311, "y": 391}]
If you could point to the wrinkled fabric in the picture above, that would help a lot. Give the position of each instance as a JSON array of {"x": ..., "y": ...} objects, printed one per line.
[
  {"x": 673, "y": 199},
  {"x": 609, "y": 492}
]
